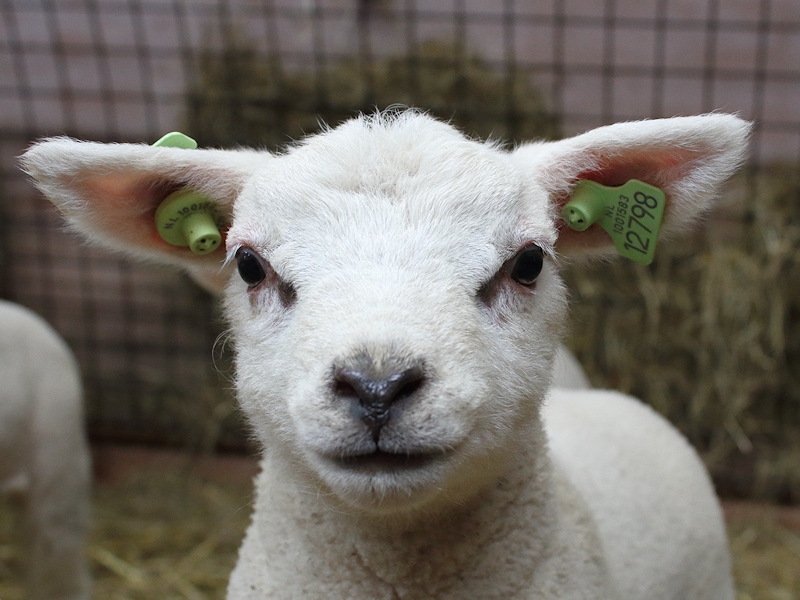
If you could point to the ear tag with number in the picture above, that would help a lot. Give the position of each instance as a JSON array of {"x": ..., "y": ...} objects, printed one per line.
[
  {"x": 631, "y": 214},
  {"x": 186, "y": 217}
]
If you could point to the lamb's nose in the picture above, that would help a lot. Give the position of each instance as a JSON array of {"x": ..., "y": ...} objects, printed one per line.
[{"x": 375, "y": 394}]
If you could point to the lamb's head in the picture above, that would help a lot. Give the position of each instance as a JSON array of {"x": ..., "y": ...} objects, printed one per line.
[
  {"x": 398, "y": 302},
  {"x": 395, "y": 328}
]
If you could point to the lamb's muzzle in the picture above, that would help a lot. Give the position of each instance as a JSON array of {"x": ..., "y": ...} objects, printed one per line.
[{"x": 373, "y": 391}]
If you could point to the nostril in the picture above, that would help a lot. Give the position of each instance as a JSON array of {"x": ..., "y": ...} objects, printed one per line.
[
  {"x": 344, "y": 389},
  {"x": 408, "y": 389},
  {"x": 350, "y": 383},
  {"x": 409, "y": 383}
]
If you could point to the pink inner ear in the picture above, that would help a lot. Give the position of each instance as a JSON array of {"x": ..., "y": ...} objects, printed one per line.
[
  {"x": 661, "y": 168},
  {"x": 124, "y": 206},
  {"x": 656, "y": 168}
]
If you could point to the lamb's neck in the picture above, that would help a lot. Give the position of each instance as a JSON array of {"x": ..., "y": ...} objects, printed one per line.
[
  {"x": 465, "y": 540},
  {"x": 476, "y": 540}
]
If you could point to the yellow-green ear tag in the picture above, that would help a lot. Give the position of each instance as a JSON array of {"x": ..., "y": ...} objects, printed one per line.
[
  {"x": 630, "y": 213},
  {"x": 186, "y": 217},
  {"x": 176, "y": 139}
]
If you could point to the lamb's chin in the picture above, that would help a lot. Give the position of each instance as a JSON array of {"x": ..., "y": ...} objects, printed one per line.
[{"x": 384, "y": 483}]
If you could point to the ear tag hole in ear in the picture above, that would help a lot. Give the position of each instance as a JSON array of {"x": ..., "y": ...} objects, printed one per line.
[
  {"x": 186, "y": 217},
  {"x": 631, "y": 214}
]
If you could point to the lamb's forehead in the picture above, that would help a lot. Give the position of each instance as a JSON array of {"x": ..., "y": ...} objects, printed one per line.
[
  {"x": 370, "y": 151},
  {"x": 382, "y": 171}
]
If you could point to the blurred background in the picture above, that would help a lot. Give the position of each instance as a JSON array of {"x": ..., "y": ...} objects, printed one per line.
[{"x": 709, "y": 334}]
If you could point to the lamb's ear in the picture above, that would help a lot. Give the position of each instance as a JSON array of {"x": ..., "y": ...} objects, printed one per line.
[
  {"x": 686, "y": 157},
  {"x": 110, "y": 192}
]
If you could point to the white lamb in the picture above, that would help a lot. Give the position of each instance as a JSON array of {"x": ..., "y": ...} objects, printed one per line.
[
  {"x": 395, "y": 323},
  {"x": 43, "y": 453}
]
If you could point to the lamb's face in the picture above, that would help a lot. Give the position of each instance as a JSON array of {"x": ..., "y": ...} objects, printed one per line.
[
  {"x": 396, "y": 339},
  {"x": 397, "y": 344}
]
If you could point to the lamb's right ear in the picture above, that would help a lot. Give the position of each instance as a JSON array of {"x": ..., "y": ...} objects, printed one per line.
[{"x": 110, "y": 192}]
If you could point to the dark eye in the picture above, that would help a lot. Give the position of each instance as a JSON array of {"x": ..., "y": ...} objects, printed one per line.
[
  {"x": 527, "y": 265},
  {"x": 250, "y": 266}
]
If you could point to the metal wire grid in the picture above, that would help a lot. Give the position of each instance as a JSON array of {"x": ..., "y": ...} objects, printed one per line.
[
  {"x": 143, "y": 336},
  {"x": 119, "y": 70}
]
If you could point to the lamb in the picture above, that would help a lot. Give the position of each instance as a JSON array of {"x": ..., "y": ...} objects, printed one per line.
[
  {"x": 44, "y": 456},
  {"x": 395, "y": 320}
]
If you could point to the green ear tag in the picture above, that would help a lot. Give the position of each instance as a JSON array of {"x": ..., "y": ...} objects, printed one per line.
[
  {"x": 630, "y": 213},
  {"x": 186, "y": 217},
  {"x": 176, "y": 139}
]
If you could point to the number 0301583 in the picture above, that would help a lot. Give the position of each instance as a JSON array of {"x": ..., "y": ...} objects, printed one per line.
[{"x": 631, "y": 214}]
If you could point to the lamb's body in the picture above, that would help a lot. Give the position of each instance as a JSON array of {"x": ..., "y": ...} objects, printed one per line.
[
  {"x": 657, "y": 515},
  {"x": 395, "y": 332},
  {"x": 43, "y": 452},
  {"x": 568, "y": 374}
]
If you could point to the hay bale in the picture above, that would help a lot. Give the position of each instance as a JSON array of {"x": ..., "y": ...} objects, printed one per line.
[
  {"x": 709, "y": 334},
  {"x": 243, "y": 98}
]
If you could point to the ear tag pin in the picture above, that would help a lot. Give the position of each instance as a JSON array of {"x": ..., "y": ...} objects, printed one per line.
[
  {"x": 631, "y": 214},
  {"x": 186, "y": 217}
]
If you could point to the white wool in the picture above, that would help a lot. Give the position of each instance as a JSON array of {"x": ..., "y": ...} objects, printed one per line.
[
  {"x": 568, "y": 374},
  {"x": 43, "y": 453},
  {"x": 387, "y": 245}
]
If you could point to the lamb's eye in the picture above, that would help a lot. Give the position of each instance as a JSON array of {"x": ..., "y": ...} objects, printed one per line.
[
  {"x": 527, "y": 265},
  {"x": 251, "y": 269}
]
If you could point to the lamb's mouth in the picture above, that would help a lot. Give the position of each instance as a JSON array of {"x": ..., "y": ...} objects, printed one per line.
[{"x": 381, "y": 461}]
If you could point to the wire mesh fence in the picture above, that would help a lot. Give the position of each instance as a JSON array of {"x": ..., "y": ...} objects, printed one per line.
[{"x": 264, "y": 72}]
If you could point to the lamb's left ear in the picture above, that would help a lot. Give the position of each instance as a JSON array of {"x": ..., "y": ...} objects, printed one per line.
[
  {"x": 686, "y": 157},
  {"x": 110, "y": 192}
]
